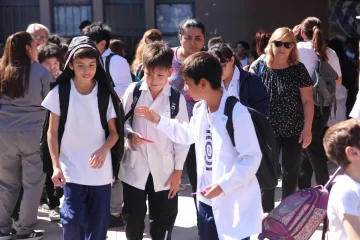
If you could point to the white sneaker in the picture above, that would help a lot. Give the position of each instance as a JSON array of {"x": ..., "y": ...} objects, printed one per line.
[{"x": 54, "y": 215}]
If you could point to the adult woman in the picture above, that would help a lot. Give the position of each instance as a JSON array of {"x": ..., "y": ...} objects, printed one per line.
[
  {"x": 24, "y": 84},
  {"x": 291, "y": 107},
  {"x": 311, "y": 50},
  {"x": 150, "y": 36},
  {"x": 192, "y": 40}
]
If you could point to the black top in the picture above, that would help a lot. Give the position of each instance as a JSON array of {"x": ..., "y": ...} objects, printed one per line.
[{"x": 286, "y": 108}]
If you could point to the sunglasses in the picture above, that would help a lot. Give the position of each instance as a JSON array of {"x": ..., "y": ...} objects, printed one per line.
[
  {"x": 39, "y": 37},
  {"x": 287, "y": 45}
]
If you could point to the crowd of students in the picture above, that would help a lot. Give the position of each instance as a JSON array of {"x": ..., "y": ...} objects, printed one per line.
[{"x": 114, "y": 135}]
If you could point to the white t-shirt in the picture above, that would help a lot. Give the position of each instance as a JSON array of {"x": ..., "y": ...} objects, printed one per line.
[
  {"x": 244, "y": 62},
  {"x": 309, "y": 58},
  {"x": 207, "y": 178},
  {"x": 344, "y": 199},
  {"x": 83, "y": 135}
]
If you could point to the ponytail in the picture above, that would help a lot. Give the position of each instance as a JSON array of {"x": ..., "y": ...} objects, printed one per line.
[{"x": 319, "y": 44}]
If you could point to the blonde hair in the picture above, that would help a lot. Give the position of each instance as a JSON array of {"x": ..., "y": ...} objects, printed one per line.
[
  {"x": 278, "y": 35},
  {"x": 143, "y": 42}
]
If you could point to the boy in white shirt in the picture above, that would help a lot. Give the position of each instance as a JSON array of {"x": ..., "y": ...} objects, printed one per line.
[
  {"x": 80, "y": 139},
  {"x": 342, "y": 146},
  {"x": 152, "y": 170},
  {"x": 229, "y": 198}
]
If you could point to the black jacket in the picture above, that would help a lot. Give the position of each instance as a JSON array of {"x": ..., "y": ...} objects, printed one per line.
[{"x": 253, "y": 93}]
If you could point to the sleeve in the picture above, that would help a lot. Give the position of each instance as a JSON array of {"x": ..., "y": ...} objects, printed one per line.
[
  {"x": 110, "y": 113},
  {"x": 120, "y": 73},
  {"x": 46, "y": 79},
  {"x": 334, "y": 61},
  {"x": 249, "y": 157},
  {"x": 52, "y": 102},
  {"x": 127, "y": 101},
  {"x": 259, "y": 98},
  {"x": 304, "y": 79},
  {"x": 183, "y": 133},
  {"x": 181, "y": 150},
  {"x": 349, "y": 203}
]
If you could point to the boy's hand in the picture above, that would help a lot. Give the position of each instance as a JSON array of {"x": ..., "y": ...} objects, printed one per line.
[
  {"x": 58, "y": 177},
  {"x": 97, "y": 159},
  {"x": 135, "y": 140},
  {"x": 147, "y": 113},
  {"x": 174, "y": 181},
  {"x": 212, "y": 191}
]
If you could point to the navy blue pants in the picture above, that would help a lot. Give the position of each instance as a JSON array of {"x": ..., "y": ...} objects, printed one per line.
[
  {"x": 208, "y": 229},
  {"x": 85, "y": 212}
]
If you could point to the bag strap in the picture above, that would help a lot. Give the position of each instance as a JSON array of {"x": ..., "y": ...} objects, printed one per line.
[
  {"x": 103, "y": 104},
  {"x": 107, "y": 67},
  {"x": 136, "y": 96},
  {"x": 327, "y": 185},
  {"x": 229, "y": 106},
  {"x": 174, "y": 102},
  {"x": 261, "y": 66},
  {"x": 64, "y": 98}
]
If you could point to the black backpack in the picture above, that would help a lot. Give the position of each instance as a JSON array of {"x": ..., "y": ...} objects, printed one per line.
[
  {"x": 107, "y": 68},
  {"x": 64, "y": 97},
  {"x": 269, "y": 170},
  {"x": 174, "y": 101}
]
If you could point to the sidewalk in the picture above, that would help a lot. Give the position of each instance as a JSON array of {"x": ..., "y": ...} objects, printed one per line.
[{"x": 185, "y": 225}]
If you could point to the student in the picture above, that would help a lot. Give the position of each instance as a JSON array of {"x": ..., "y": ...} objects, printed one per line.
[
  {"x": 83, "y": 165},
  {"x": 242, "y": 49},
  {"x": 152, "y": 169},
  {"x": 119, "y": 72},
  {"x": 50, "y": 57},
  {"x": 229, "y": 197},
  {"x": 342, "y": 146}
]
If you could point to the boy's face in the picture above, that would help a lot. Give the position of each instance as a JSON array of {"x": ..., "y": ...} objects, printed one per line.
[
  {"x": 196, "y": 91},
  {"x": 84, "y": 68},
  {"x": 51, "y": 64},
  {"x": 156, "y": 78}
]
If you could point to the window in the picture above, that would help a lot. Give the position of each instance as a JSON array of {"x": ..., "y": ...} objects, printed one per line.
[
  {"x": 16, "y": 15},
  {"x": 127, "y": 21},
  {"x": 68, "y": 14},
  {"x": 169, "y": 14}
]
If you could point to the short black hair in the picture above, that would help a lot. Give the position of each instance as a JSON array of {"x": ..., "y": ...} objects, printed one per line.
[
  {"x": 84, "y": 24},
  {"x": 50, "y": 50},
  {"x": 244, "y": 44},
  {"x": 215, "y": 40},
  {"x": 157, "y": 55},
  {"x": 85, "y": 53},
  {"x": 98, "y": 32},
  {"x": 54, "y": 38},
  {"x": 202, "y": 65},
  {"x": 224, "y": 53},
  {"x": 191, "y": 22},
  {"x": 64, "y": 47}
]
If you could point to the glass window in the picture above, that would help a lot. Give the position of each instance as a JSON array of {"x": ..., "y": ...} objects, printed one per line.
[{"x": 169, "y": 16}]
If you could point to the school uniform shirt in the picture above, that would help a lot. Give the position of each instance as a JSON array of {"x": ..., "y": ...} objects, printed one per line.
[
  {"x": 244, "y": 62},
  {"x": 119, "y": 71},
  {"x": 344, "y": 199},
  {"x": 237, "y": 211},
  {"x": 234, "y": 86},
  {"x": 163, "y": 156},
  {"x": 83, "y": 135},
  {"x": 309, "y": 58}
]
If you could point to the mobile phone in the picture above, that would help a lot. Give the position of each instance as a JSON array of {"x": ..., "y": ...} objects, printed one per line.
[{"x": 146, "y": 140}]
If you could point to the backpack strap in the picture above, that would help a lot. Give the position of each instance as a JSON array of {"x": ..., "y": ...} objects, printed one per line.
[
  {"x": 103, "y": 104},
  {"x": 262, "y": 64},
  {"x": 64, "y": 98},
  {"x": 229, "y": 106},
  {"x": 136, "y": 96},
  {"x": 107, "y": 67},
  {"x": 174, "y": 102}
]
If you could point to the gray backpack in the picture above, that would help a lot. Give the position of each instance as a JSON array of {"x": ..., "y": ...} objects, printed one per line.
[{"x": 324, "y": 87}]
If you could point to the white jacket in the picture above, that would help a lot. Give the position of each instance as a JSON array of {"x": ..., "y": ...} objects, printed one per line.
[
  {"x": 237, "y": 211},
  {"x": 163, "y": 156}
]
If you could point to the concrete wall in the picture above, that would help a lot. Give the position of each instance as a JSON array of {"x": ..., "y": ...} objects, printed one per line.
[{"x": 240, "y": 19}]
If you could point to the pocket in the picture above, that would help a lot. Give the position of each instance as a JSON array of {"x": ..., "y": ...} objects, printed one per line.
[{"x": 168, "y": 163}]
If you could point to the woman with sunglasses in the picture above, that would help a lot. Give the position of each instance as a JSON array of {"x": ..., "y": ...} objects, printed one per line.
[
  {"x": 150, "y": 36},
  {"x": 311, "y": 50},
  {"x": 291, "y": 107}
]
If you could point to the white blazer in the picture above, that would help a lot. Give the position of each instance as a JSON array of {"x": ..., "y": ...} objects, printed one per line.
[
  {"x": 237, "y": 211},
  {"x": 163, "y": 156}
]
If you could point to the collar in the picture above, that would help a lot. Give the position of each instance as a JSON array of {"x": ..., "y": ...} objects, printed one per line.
[
  {"x": 107, "y": 52},
  {"x": 235, "y": 78},
  {"x": 165, "y": 91}
]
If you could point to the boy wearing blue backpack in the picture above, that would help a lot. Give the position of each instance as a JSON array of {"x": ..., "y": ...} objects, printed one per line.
[
  {"x": 229, "y": 198},
  {"x": 153, "y": 164}
]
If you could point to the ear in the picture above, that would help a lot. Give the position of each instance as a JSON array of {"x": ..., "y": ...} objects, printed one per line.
[
  {"x": 352, "y": 153},
  {"x": 71, "y": 66},
  {"x": 180, "y": 37},
  {"x": 203, "y": 83},
  {"x": 232, "y": 59},
  {"x": 171, "y": 71},
  {"x": 28, "y": 49}
]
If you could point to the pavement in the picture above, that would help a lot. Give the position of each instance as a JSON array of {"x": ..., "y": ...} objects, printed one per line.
[{"x": 185, "y": 225}]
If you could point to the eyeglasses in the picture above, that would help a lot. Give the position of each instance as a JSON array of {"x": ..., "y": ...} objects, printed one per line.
[
  {"x": 39, "y": 37},
  {"x": 223, "y": 65},
  {"x": 287, "y": 45}
]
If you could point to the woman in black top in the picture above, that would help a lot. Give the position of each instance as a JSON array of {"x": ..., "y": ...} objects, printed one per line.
[{"x": 291, "y": 106}]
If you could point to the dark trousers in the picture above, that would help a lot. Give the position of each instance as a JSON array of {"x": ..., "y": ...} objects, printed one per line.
[
  {"x": 290, "y": 165},
  {"x": 313, "y": 157},
  {"x": 85, "y": 212},
  {"x": 208, "y": 229},
  {"x": 162, "y": 211}
]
